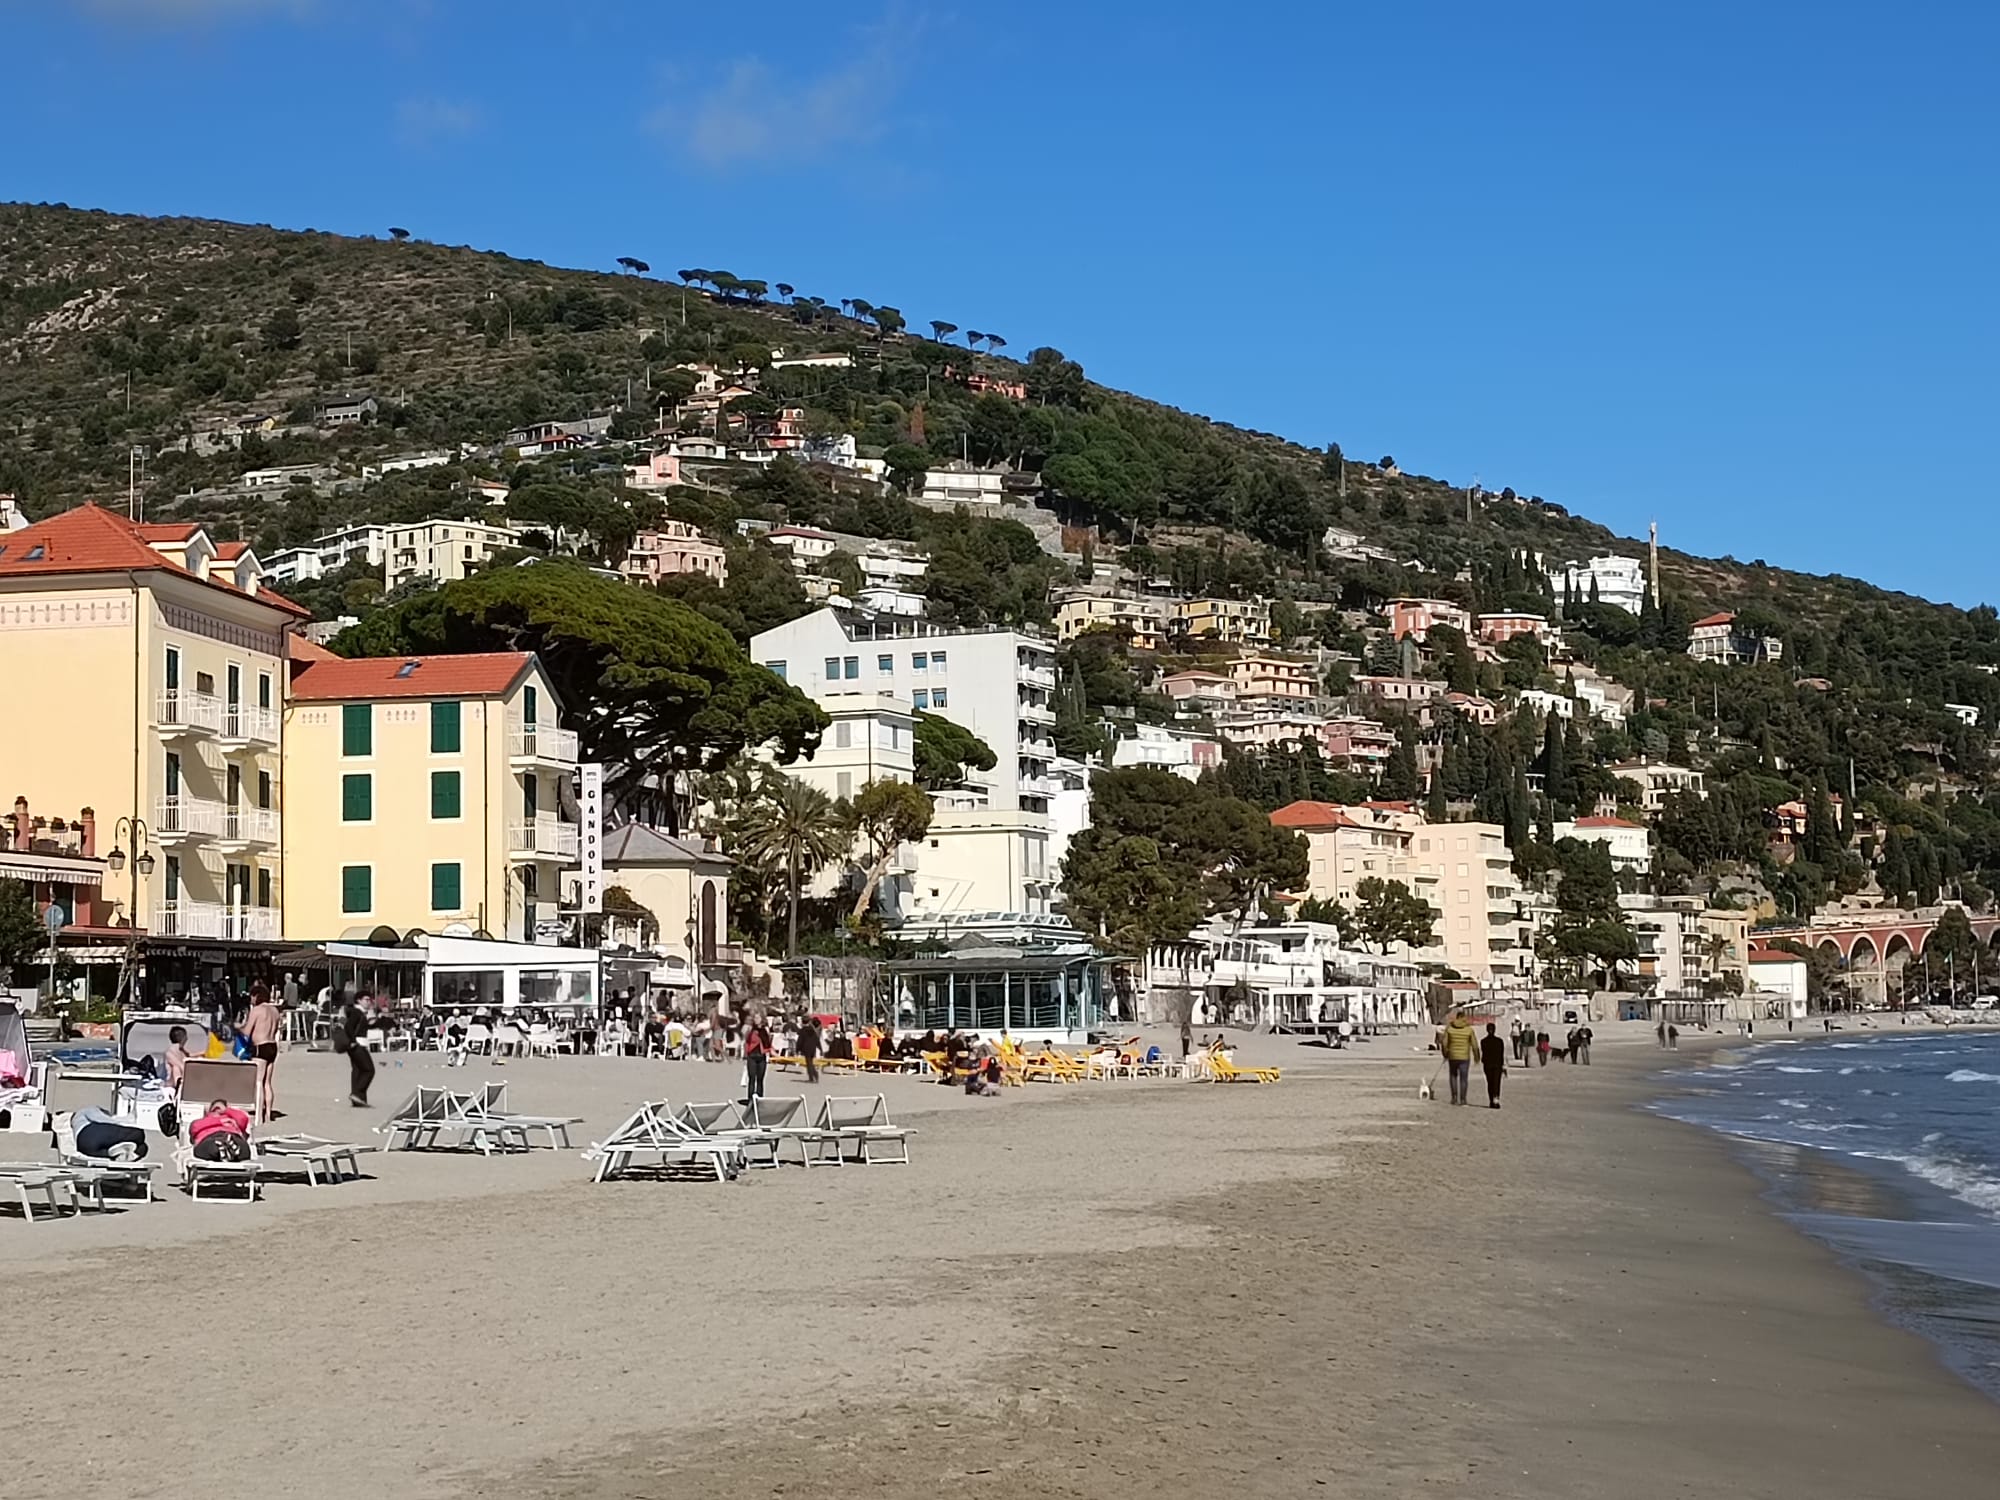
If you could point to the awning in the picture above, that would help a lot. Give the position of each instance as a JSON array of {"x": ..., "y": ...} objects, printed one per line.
[{"x": 54, "y": 868}]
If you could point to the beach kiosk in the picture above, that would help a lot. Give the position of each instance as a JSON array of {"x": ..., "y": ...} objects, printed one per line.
[{"x": 467, "y": 973}]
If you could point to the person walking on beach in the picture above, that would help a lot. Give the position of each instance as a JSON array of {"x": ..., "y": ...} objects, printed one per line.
[
  {"x": 809, "y": 1047},
  {"x": 360, "y": 1062},
  {"x": 1541, "y": 1049},
  {"x": 1187, "y": 1039},
  {"x": 1583, "y": 1043},
  {"x": 1662, "y": 1031},
  {"x": 1673, "y": 1039},
  {"x": 1493, "y": 1059},
  {"x": 756, "y": 1052},
  {"x": 260, "y": 1030},
  {"x": 1460, "y": 1045}
]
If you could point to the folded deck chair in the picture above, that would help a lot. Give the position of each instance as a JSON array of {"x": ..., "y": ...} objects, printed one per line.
[
  {"x": 431, "y": 1116},
  {"x": 789, "y": 1119},
  {"x": 727, "y": 1122},
  {"x": 862, "y": 1122},
  {"x": 651, "y": 1135},
  {"x": 490, "y": 1103}
]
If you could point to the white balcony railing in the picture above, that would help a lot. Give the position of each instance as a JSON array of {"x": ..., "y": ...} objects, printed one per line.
[
  {"x": 542, "y": 838},
  {"x": 185, "y": 817},
  {"x": 1041, "y": 677},
  {"x": 543, "y": 742},
  {"x": 248, "y": 825},
  {"x": 185, "y": 712},
  {"x": 212, "y": 919},
  {"x": 248, "y": 724}
]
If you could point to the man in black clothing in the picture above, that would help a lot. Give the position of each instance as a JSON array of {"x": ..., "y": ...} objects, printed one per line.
[
  {"x": 1493, "y": 1058},
  {"x": 360, "y": 1062},
  {"x": 809, "y": 1048}
]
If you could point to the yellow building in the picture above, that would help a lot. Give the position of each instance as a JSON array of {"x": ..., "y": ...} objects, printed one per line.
[
  {"x": 145, "y": 669},
  {"x": 426, "y": 791},
  {"x": 1241, "y": 622},
  {"x": 1144, "y": 620}
]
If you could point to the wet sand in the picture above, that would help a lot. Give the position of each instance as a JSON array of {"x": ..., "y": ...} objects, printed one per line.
[{"x": 1323, "y": 1287}]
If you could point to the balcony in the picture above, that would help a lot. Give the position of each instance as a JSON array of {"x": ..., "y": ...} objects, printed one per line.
[
  {"x": 182, "y": 714},
  {"x": 542, "y": 840},
  {"x": 211, "y": 919},
  {"x": 532, "y": 745},
  {"x": 242, "y": 725},
  {"x": 1035, "y": 713},
  {"x": 1041, "y": 677},
  {"x": 244, "y": 826},
  {"x": 179, "y": 819},
  {"x": 1040, "y": 786}
]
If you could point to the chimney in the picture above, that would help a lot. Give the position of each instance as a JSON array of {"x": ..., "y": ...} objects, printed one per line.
[
  {"x": 87, "y": 825},
  {"x": 23, "y": 826}
]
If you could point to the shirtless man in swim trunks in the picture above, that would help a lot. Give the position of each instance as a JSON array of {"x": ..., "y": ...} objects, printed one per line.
[{"x": 260, "y": 1030}]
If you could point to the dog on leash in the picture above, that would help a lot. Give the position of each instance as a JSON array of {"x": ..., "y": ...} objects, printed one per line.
[{"x": 1424, "y": 1090}]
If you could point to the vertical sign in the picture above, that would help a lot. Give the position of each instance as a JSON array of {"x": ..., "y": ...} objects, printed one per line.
[{"x": 590, "y": 837}]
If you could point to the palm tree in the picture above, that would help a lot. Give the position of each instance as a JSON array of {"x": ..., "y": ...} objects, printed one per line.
[
  {"x": 794, "y": 828},
  {"x": 993, "y": 341}
]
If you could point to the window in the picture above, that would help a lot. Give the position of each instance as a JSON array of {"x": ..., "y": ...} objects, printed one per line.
[
  {"x": 885, "y": 664},
  {"x": 919, "y": 661},
  {"x": 844, "y": 784},
  {"x": 444, "y": 794},
  {"x": 173, "y": 774},
  {"x": 937, "y": 661},
  {"x": 173, "y": 669},
  {"x": 833, "y": 669},
  {"x": 937, "y": 697},
  {"x": 235, "y": 681},
  {"x": 853, "y": 665},
  {"x": 531, "y": 705},
  {"x": 357, "y": 729},
  {"x": 263, "y": 887},
  {"x": 204, "y": 682},
  {"x": 357, "y": 798},
  {"x": 920, "y": 700},
  {"x": 263, "y": 689},
  {"x": 264, "y": 790},
  {"x": 236, "y": 885},
  {"x": 444, "y": 887},
  {"x": 357, "y": 889},
  {"x": 843, "y": 735},
  {"x": 173, "y": 877},
  {"x": 531, "y": 794},
  {"x": 232, "y": 787},
  {"x": 776, "y": 669},
  {"x": 445, "y": 729}
]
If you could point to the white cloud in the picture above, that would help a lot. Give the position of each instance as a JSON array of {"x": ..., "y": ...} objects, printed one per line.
[
  {"x": 425, "y": 122},
  {"x": 751, "y": 114}
]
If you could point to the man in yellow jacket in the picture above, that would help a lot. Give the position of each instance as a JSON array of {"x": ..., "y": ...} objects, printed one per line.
[{"x": 1459, "y": 1044}]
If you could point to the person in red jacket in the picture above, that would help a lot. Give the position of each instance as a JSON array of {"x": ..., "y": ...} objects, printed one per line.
[
  {"x": 756, "y": 1053},
  {"x": 221, "y": 1134}
]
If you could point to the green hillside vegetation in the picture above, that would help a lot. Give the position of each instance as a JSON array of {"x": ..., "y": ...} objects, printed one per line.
[{"x": 119, "y": 331}]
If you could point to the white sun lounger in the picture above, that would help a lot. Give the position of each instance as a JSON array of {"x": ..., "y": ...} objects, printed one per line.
[
  {"x": 490, "y": 1103},
  {"x": 788, "y": 1119},
  {"x": 322, "y": 1159},
  {"x": 25, "y": 1181},
  {"x": 97, "y": 1171},
  {"x": 726, "y": 1121},
  {"x": 427, "y": 1117},
  {"x": 651, "y": 1133},
  {"x": 862, "y": 1122}
]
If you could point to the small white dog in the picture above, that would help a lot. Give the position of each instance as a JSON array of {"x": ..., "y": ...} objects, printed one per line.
[{"x": 1424, "y": 1090}]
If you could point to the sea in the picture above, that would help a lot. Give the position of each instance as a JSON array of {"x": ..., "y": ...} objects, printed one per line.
[{"x": 1886, "y": 1147}]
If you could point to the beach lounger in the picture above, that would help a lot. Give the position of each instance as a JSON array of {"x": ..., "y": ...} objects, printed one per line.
[
  {"x": 430, "y": 1115},
  {"x": 1225, "y": 1071},
  {"x": 126, "y": 1174},
  {"x": 25, "y": 1182},
  {"x": 246, "y": 1175},
  {"x": 651, "y": 1131},
  {"x": 863, "y": 1123},
  {"x": 322, "y": 1159},
  {"x": 727, "y": 1122},
  {"x": 788, "y": 1119},
  {"x": 490, "y": 1103}
]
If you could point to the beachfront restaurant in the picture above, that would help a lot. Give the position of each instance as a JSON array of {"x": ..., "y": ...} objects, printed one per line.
[
  {"x": 463, "y": 973},
  {"x": 1046, "y": 991}
]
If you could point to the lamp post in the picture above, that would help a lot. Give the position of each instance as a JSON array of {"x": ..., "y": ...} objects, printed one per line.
[{"x": 135, "y": 829}]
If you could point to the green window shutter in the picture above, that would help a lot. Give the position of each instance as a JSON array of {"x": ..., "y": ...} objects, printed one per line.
[
  {"x": 444, "y": 887},
  {"x": 357, "y": 889},
  {"x": 357, "y": 729},
  {"x": 444, "y": 794},
  {"x": 357, "y": 798},
  {"x": 444, "y": 729}
]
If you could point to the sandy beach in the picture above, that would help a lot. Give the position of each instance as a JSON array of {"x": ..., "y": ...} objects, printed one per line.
[{"x": 1324, "y": 1286}]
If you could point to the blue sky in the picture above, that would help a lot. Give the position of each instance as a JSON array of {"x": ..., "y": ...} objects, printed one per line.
[{"x": 1726, "y": 265}]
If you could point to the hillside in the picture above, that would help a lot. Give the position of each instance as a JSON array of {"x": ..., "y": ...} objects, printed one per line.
[{"x": 118, "y": 332}]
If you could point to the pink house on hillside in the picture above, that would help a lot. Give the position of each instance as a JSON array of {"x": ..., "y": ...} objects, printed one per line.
[
  {"x": 660, "y": 471},
  {"x": 1499, "y": 628},
  {"x": 672, "y": 548},
  {"x": 1415, "y": 617}
]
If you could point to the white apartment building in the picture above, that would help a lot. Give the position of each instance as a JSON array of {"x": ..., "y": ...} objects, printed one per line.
[
  {"x": 1288, "y": 974},
  {"x": 330, "y": 553},
  {"x": 1619, "y": 580},
  {"x": 1628, "y": 844},
  {"x": 1658, "y": 780},
  {"x": 444, "y": 550},
  {"x": 1181, "y": 751},
  {"x": 961, "y": 484},
  {"x": 988, "y": 848},
  {"x": 872, "y": 738},
  {"x": 1544, "y": 702}
]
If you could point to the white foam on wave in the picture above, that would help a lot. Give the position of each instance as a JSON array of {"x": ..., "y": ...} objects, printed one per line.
[
  {"x": 1962, "y": 1182},
  {"x": 1794, "y": 1104},
  {"x": 1797, "y": 1070},
  {"x": 1968, "y": 1075}
]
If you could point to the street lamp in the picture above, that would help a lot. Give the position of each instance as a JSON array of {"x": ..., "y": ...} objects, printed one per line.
[{"x": 135, "y": 829}]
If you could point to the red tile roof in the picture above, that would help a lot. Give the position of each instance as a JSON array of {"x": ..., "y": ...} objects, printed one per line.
[
  {"x": 304, "y": 651},
  {"x": 91, "y": 539},
  {"x": 1595, "y": 822},
  {"x": 1775, "y": 956},
  {"x": 1312, "y": 815},
  {"x": 1724, "y": 618},
  {"x": 482, "y": 675}
]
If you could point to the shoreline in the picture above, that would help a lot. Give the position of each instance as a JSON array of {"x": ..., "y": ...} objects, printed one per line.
[{"x": 1321, "y": 1286}]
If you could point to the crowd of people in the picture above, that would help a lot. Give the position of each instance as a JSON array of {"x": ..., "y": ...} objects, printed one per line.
[{"x": 1461, "y": 1045}]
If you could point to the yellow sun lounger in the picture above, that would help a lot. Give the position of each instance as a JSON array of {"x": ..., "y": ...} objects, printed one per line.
[{"x": 1227, "y": 1072}]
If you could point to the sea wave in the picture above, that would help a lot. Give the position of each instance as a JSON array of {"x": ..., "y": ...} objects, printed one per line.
[
  {"x": 1964, "y": 1183},
  {"x": 1968, "y": 1075},
  {"x": 1798, "y": 1070}
]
